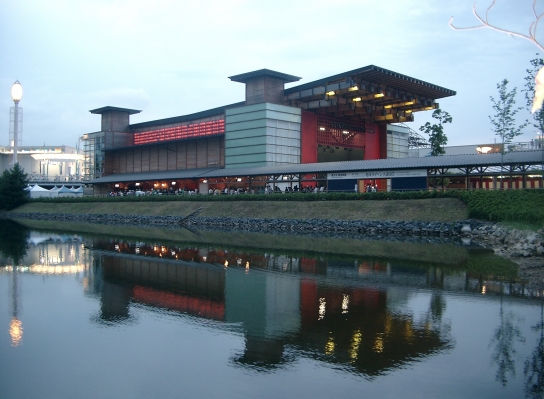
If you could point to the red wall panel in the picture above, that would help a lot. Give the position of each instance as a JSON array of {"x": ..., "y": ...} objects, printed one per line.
[
  {"x": 308, "y": 137},
  {"x": 383, "y": 141},
  {"x": 372, "y": 150},
  {"x": 180, "y": 132},
  {"x": 182, "y": 303}
]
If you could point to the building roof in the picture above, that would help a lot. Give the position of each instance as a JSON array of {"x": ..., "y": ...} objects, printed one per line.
[
  {"x": 313, "y": 95},
  {"x": 244, "y": 77},
  {"x": 380, "y": 76},
  {"x": 187, "y": 118},
  {"x": 370, "y": 94},
  {"x": 103, "y": 110},
  {"x": 446, "y": 161}
]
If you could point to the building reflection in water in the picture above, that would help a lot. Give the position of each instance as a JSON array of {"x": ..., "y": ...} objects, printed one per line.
[
  {"x": 45, "y": 254},
  {"x": 286, "y": 306},
  {"x": 350, "y": 313}
]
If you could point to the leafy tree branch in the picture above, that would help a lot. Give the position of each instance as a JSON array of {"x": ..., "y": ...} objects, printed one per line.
[{"x": 437, "y": 137}]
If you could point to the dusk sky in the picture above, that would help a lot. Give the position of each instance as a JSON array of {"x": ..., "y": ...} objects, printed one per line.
[{"x": 171, "y": 58}]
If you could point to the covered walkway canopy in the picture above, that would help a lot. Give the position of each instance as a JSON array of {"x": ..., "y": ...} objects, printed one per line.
[{"x": 496, "y": 165}]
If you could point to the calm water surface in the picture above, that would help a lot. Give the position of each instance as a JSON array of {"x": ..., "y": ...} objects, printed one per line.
[{"x": 87, "y": 317}]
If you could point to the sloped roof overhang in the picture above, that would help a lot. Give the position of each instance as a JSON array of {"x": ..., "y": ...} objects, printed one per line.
[{"x": 371, "y": 93}]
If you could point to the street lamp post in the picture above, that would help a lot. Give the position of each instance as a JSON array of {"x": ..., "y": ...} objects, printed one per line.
[{"x": 16, "y": 95}]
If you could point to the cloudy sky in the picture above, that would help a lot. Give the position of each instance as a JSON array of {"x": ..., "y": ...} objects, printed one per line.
[{"x": 173, "y": 57}]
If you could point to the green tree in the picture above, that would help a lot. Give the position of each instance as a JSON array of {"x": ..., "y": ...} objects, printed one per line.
[
  {"x": 437, "y": 137},
  {"x": 13, "y": 183},
  {"x": 504, "y": 121}
]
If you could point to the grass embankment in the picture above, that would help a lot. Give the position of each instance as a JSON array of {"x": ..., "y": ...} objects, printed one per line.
[
  {"x": 435, "y": 209},
  {"x": 525, "y": 206}
]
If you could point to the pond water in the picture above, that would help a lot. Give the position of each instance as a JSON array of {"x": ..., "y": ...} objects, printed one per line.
[{"x": 230, "y": 316}]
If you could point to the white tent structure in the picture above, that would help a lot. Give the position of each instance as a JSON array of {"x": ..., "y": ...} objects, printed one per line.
[
  {"x": 65, "y": 192},
  {"x": 55, "y": 191},
  {"x": 78, "y": 191},
  {"x": 39, "y": 192}
]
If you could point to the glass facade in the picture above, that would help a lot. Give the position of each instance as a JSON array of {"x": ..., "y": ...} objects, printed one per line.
[
  {"x": 93, "y": 153},
  {"x": 397, "y": 141}
]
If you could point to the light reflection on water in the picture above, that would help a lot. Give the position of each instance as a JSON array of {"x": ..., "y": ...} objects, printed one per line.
[{"x": 102, "y": 317}]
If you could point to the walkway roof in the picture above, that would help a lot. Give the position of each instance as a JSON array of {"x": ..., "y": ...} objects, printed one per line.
[{"x": 441, "y": 162}]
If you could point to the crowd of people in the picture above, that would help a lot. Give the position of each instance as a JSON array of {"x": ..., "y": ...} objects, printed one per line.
[
  {"x": 222, "y": 191},
  {"x": 121, "y": 193}
]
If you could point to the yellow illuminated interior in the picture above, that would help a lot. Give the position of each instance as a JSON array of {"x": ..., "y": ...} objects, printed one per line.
[
  {"x": 355, "y": 344},
  {"x": 16, "y": 331},
  {"x": 378, "y": 343},
  {"x": 329, "y": 347}
]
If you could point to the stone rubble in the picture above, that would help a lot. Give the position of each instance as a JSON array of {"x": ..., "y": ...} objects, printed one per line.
[
  {"x": 365, "y": 227},
  {"x": 510, "y": 243}
]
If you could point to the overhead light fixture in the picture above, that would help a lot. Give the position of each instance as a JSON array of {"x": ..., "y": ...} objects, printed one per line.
[
  {"x": 354, "y": 88},
  {"x": 330, "y": 93},
  {"x": 321, "y": 128},
  {"x": 204, "y": 181},
  {"x": 357, "y": 99},
  {"x": 483, "y": 150},
  {"x": 117, "y": 185},
  {"x": 137, "y": 184},
  {"x": 239, "y": 179},
  {"x": 173, "y": 183},
  {"x": 408, "y": 111},
  {"x": 345, "y": 132},
  {"x": 379, "y": 95}
]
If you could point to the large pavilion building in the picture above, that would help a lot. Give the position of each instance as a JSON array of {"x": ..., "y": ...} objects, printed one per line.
[{"x": 345, "y": 117}]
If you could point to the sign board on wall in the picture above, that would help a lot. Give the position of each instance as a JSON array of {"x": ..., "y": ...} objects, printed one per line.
[{"x": 379, "y": 174}]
